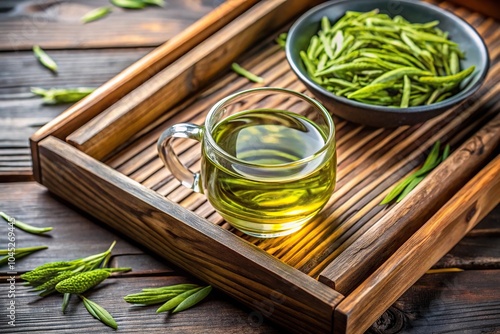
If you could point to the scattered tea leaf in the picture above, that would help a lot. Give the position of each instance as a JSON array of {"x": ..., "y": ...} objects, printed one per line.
[
  {"x": 23, "y": 226},
  {"x": 446, "y": 152},
  {"x": 193, "y": 299},
  {"x": 245, "y": 73},
  {"x": 159, "y": 3},
  {"x": 96, "y": 14},
  {"x": 409, "y": 183},
  {"x": 177, "y": 300},
  {"x": 44, "y": 58},
  {"x": 129, "y": 4},
  {"x": 62, "y": 95},
  {"x": 99, "y": 312},
  {"x": 18, "y": 253},
  {"x": 65, "y": 302}
]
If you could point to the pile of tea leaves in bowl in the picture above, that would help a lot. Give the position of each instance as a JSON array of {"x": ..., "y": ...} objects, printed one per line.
[{"x": 375, "y": 59}]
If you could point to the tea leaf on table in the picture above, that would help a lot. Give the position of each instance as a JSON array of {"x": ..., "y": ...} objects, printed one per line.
[
  {"x": 47, "y": 271},
  {"x": 245, "y": 73},
  {"x": 151, "y": 296},
  {"x": 96, "y": 14},
  {"x": 193, "y": 299},
  {"x": 174, "y": 302},
  {"x": 99, "y": 312},
  {"x": 44, "y": 58},
  {"x": 159, "y": 3},
  {"x": 23, "y": 226},
  {"x": 62, "y": 95},
  {"x": 129, "y": 4},
  {"x": 65, "y": 302},
  {"x": 18, "y": 253}
]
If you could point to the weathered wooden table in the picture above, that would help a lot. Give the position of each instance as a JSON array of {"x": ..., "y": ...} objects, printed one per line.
[{"x": 89, "y": 55}]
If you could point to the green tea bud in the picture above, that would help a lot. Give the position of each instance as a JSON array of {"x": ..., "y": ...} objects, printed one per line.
[
  {"x": 41, "y": 275},
  {"x": 50, "y": 284},
  {"x": 82, "y": 282}
]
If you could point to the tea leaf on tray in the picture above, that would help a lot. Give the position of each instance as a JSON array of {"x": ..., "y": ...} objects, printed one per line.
[
  {"x": 44, "y": 58},
  {"x": 409, "y": 183},
  {"x": 96, "y": 14},
  {"x": 245, "y": 73}
]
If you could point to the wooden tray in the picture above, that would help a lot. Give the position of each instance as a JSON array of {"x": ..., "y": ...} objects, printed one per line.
[{"x": 346, "y": 267}]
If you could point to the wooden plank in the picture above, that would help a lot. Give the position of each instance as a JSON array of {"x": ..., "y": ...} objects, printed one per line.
[
  {"x": 56, "y": 24},
  {"x": 136, "y": 74},
  {"x": 370, "y": 249},
  {"x": 110, "y": 129},
  {"x": 450, "y": 224},
  {"x": 215, "y": 255}
]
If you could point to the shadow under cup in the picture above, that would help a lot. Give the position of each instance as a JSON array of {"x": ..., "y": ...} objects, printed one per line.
[{"x": 268, "y": 160}]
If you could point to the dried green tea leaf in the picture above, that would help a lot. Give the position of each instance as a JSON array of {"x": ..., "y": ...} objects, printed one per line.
[
  {"x": 245, "y": 73},
  {"x": 129, "y": 4},
  {"x": 96, "y": 14},
  {"x": 99, "y": 312},
  {"x": 44, "y": 58}
]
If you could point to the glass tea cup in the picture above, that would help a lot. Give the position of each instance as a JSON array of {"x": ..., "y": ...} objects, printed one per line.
[{"x": 268, "y": 159}]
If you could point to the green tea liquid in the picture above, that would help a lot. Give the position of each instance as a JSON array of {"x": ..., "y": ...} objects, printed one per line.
[{"x": 262, "y": 194}]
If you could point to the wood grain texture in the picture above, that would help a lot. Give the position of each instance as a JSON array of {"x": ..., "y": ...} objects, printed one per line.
[
  {"x": 56, "y": 24},
  {"x": 19, "y": 71},
  {"x": 98, "y": 138},
  {"x": 216, "y": 314},
  {"x": 464, "y": 302},
  {"x": 216, "y": 256},
  {"x": 485, "y": 7},
  {"x": 136, "y": 74},
  {"x": 23, "y": 113},
  {"x": 436, "y": 237}
]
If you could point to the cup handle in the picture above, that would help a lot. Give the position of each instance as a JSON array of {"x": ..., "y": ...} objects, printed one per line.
[{"x": 171, "y": 160}]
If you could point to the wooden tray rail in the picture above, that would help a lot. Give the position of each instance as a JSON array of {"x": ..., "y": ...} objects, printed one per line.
[{"x": 322, "y": 278}]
